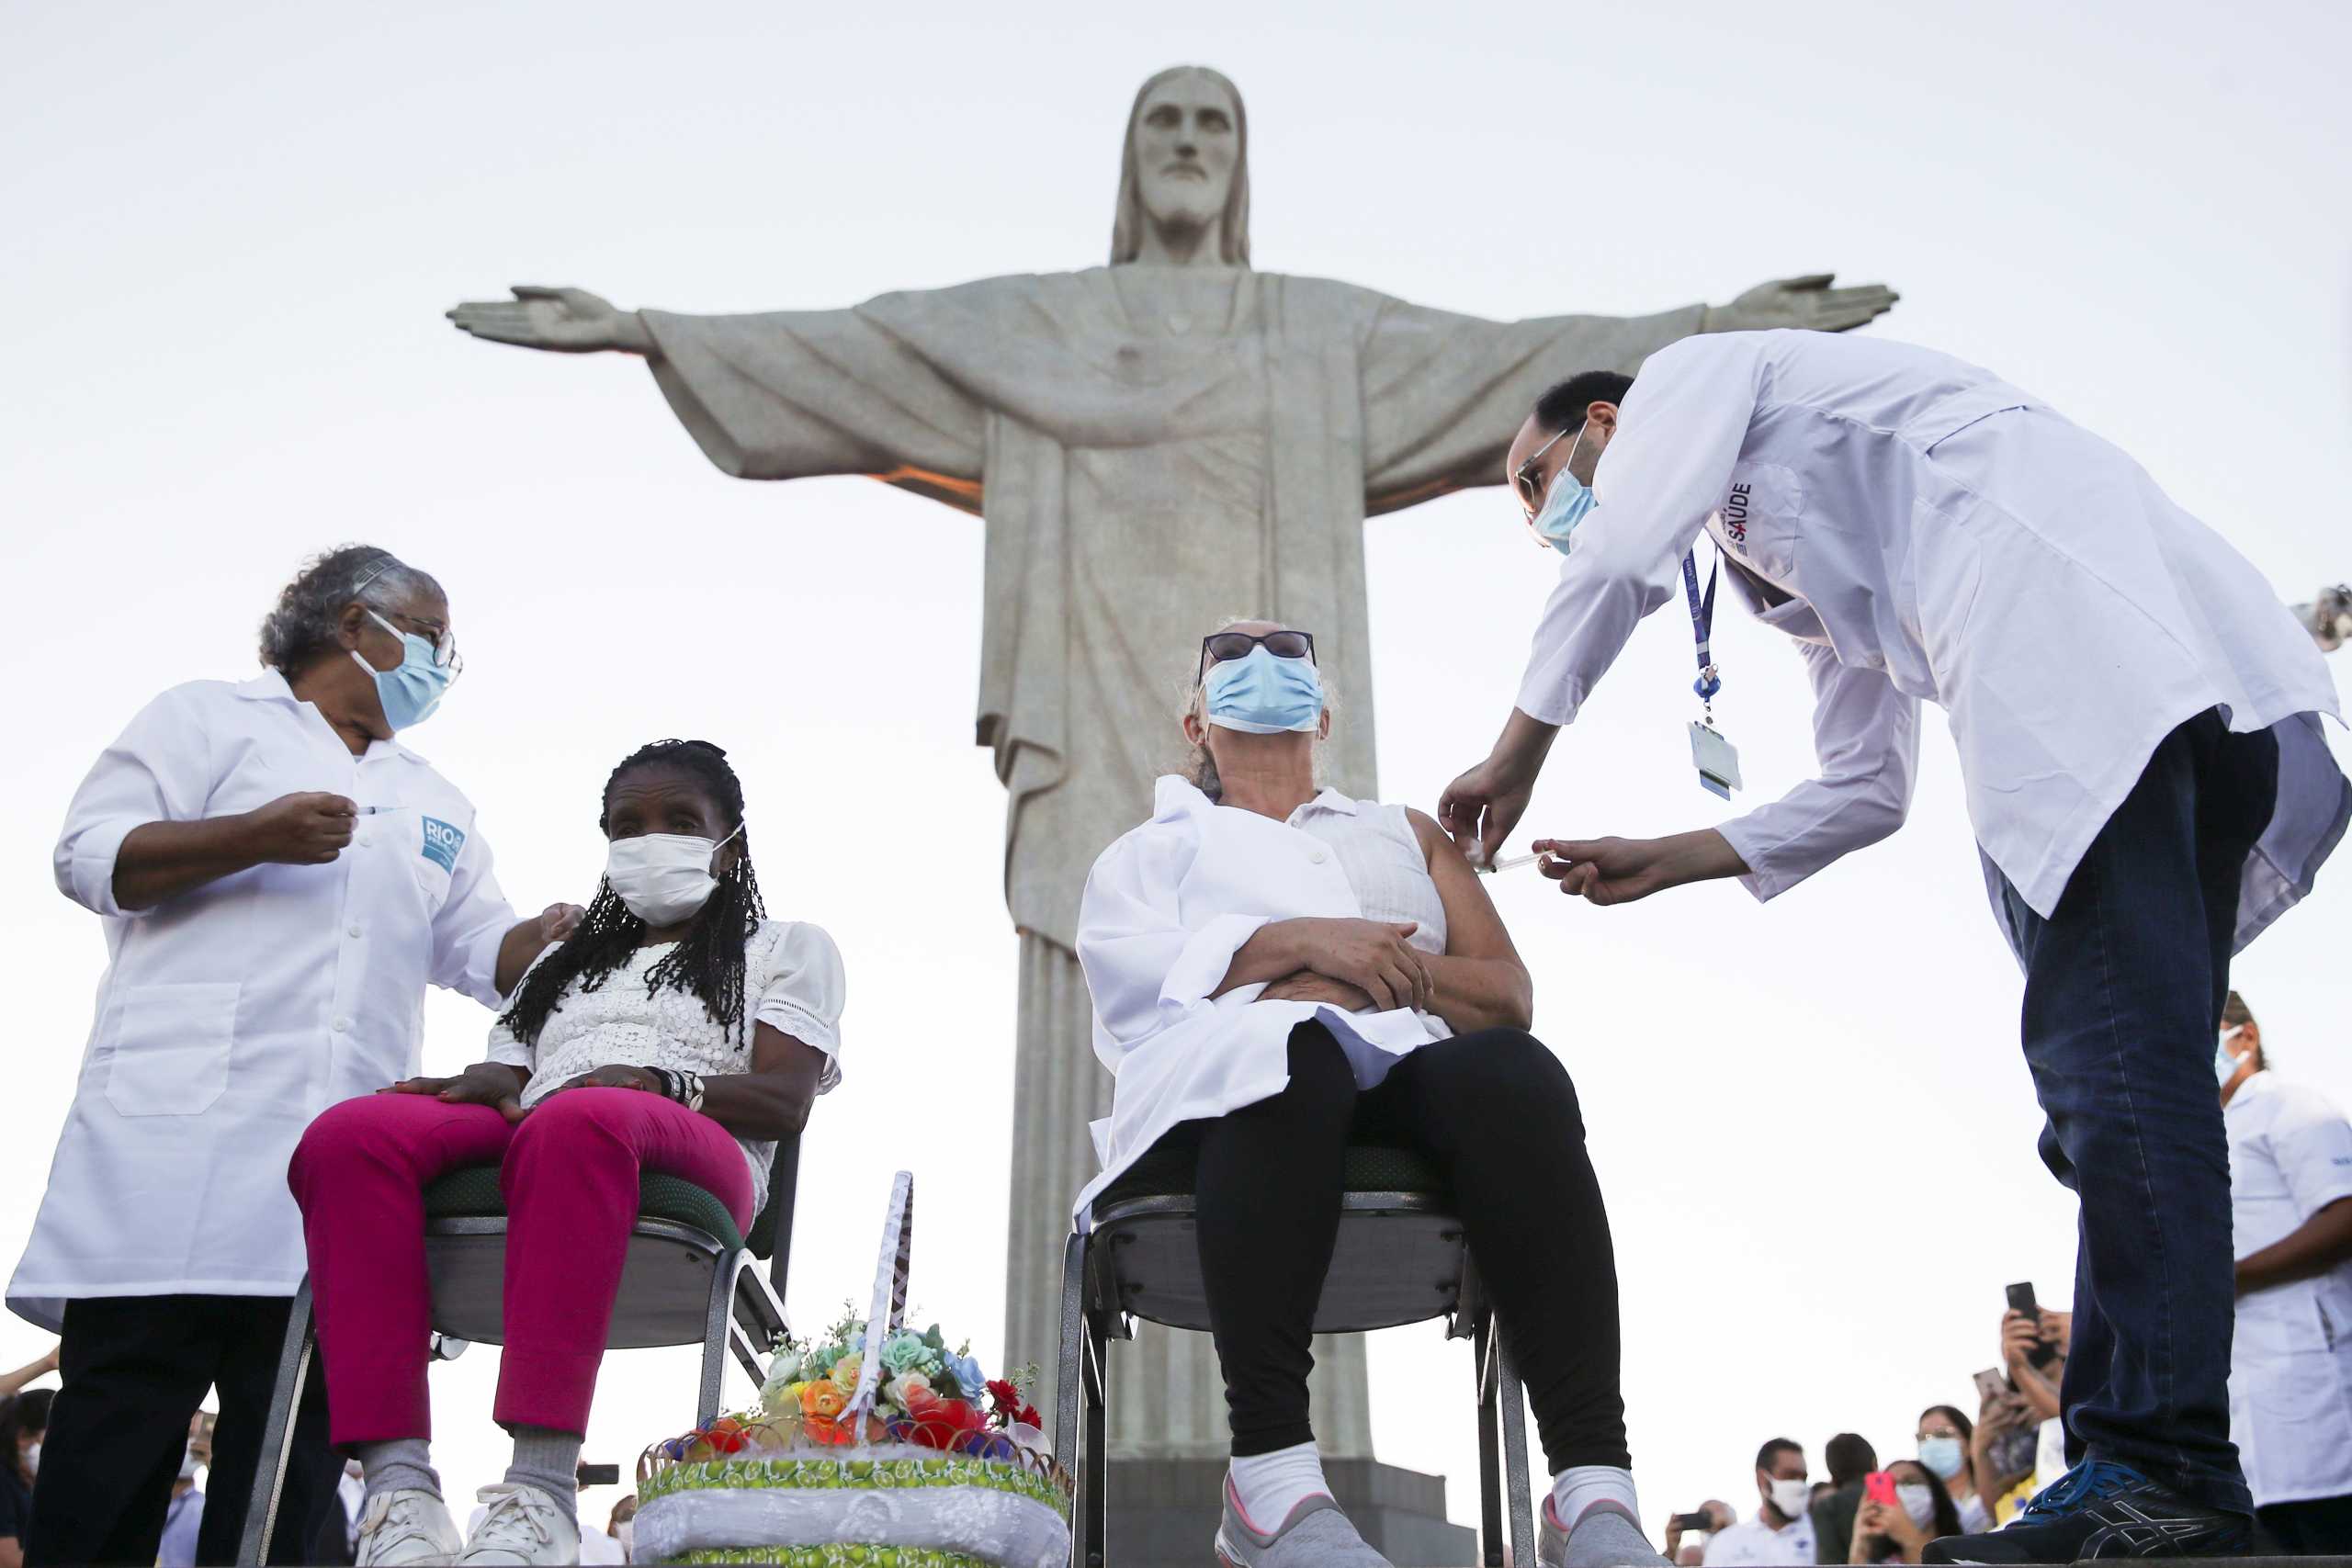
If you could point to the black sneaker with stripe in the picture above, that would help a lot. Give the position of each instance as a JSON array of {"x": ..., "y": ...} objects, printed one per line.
[{"x": 2102, "y": 1509}]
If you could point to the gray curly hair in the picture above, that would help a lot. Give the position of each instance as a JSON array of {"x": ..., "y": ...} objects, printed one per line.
[
  {"x": 305, "y": 622},
  {"x": 1198, "y": 767}
]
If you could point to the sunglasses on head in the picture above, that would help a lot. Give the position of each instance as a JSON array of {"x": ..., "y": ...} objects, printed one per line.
[{"x": 1220, "y": 647}]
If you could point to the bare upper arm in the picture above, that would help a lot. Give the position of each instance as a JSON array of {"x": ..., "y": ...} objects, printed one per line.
[
  {"x": 1473, "y": 928},
  {"x": 799, "y": 1064}
]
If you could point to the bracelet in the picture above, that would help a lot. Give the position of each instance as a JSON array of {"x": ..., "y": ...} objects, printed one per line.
[
  {"x": 690, "y": 1086},
  {"x": 664, "y": 1085}
]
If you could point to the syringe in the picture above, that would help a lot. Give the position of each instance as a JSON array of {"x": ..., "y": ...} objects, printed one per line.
[{"x": 1511, "y": 862}]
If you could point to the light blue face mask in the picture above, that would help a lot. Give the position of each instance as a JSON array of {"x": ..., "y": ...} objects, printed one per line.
[
  {"x": 412, "y": 689},
  {"x": 1568, "y": 503},
  {"x": 1264, "y": 696}
]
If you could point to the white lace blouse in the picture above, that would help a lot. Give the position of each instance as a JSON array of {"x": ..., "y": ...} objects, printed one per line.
[{"x": 792, "y": 981}]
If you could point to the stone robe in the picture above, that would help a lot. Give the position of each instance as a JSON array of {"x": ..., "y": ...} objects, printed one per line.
[{"x": 1152, "y": 449}]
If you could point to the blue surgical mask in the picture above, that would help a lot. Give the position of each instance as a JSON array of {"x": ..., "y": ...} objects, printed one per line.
[
  {"x": 1264, "y": 696},
  {"x": 1942, "y": 1456},
  {"x": 1565, "y": 505},
  {"x": 412, "y": 689}
]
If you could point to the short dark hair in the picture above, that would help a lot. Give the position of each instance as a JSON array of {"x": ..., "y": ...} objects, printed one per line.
[
  {"x": 1562, "y": 407},
  {"x": 2235, "y": 1014},
  {"x": 1773, "y": 1449},
  {"x": 1849, "y": 1457}
]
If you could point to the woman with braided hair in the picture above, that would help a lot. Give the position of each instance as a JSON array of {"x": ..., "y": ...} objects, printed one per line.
[{"x": 677, "y": 1028}]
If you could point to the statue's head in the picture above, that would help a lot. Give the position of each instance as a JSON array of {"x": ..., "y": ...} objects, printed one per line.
[{"x": 1186, "y": 166}]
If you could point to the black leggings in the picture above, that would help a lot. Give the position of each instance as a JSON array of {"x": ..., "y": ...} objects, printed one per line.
[{"x": 1494, "y": 1113}]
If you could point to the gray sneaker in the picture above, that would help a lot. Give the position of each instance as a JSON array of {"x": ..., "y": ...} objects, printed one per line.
[
  {"x": 1317, "y": 1535},
  {"x": 1605, "y": 1536}
]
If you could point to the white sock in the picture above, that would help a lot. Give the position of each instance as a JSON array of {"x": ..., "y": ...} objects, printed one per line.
[
  {"x": 1266, "y": 1487},
  {"x": 1581, "y": 1486}
]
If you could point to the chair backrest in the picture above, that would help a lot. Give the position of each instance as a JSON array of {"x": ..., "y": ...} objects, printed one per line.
[{"x": 771, "y": 1232}]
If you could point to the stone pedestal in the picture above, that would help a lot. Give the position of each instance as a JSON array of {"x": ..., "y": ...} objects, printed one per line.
[{"x": 1164, "y": 1512}]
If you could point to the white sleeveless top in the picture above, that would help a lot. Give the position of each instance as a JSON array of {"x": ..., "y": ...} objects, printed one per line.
[{"x": 1376, "y": 847}]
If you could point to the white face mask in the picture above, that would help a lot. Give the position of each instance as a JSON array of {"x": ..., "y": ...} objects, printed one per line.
[
  {"x": 1918, "y": 1502},
  {"x": 626, "y": 1533},
  {"x": 663, "y": 877},
  {"x": 1794, "y": 1498},
  {"x": 2225, "y": 1064}
]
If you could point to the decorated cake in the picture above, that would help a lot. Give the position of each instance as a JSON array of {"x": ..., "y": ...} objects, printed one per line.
[{"x": 872, "y": 1445}]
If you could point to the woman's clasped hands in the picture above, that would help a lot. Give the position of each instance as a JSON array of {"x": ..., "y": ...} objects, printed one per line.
[
  {"x": 1353, "y": 965},
  {"x": 501, "y": 1087}
]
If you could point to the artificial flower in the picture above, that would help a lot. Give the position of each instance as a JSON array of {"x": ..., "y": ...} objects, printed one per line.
[
  {"x": 905, "y": 1389},
  {"x": 845, "y": 1370},
  {"x": 906, "y": 1352},
  {"x": 966, "y": 1369}
]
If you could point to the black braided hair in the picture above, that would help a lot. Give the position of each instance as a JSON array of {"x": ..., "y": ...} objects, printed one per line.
[{"x": 708, "y": 961}]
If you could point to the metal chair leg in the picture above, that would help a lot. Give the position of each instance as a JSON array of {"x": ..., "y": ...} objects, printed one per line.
[
  {"x": 277, "y": 1432},
  {"x": 1514, "y": 1421},
  {"x": 1094, "y": 1492},
  {"x": 716, "y": 1324},
  {"x": 1490, "y": 1487},
  {"x": 1070, "y": 1348}
]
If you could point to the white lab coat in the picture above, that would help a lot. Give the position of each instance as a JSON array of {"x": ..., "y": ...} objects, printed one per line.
[
  {"x": 1928, "y": 532},
  {"x": 231, "y": 1015},
  {"x": 1165, "y": 909},
  {"x": 2290, "y": 1362}
]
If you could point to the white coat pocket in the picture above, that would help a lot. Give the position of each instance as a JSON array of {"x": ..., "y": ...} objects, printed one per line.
[{"x": 171, "y": 1048}]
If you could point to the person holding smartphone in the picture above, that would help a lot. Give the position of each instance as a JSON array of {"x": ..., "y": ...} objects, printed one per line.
[{"x": 1904, "y": 1509}]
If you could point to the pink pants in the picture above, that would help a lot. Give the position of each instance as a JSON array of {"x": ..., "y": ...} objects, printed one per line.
[{"x": 569, "y": 1175}]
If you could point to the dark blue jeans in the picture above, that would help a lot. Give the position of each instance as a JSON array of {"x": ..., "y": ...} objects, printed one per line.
[{"x": 2123, "y": 993}]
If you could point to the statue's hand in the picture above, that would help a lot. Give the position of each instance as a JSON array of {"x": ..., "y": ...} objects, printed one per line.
[
  {"x": 1808, "y": 302},
  {"x": 567, "y": 321}
]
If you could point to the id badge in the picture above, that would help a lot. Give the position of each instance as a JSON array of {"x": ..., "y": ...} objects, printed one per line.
[{"x": 1715, "y": 758}]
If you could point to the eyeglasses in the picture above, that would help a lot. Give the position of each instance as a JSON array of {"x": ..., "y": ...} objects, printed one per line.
[
  {"x": 444, "y": 640},
  {"x": 1524, "y": 479},
  {"x": 1226, "y": 646}
]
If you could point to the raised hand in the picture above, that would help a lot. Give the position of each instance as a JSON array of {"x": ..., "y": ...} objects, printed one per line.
[
  {"x": 1479, "y": 810},
  {"x": 563, "y": 320},
  {"x": 1808, "y": 302},
  {"x": 310, "y": 828},
  {"x": 1618, "y": 871}
]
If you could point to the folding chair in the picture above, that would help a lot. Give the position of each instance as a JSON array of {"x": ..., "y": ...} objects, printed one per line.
[
  {"x": 689, "y": 1279},
  {"x": 1400, "y": 1258}
]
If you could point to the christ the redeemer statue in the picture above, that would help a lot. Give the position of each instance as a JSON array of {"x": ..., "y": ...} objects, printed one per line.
[{"x": 1152, "y": 445}]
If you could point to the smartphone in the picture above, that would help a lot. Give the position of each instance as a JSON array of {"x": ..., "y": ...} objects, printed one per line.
[
  {"x": 2021, "y": 1300},
  {"x": 1879, "y": 1487},
  {"x": 599, "y": 1476},
  {"x": 1700, "y": 1520},
  {"x": 1993, "y": 1384}
]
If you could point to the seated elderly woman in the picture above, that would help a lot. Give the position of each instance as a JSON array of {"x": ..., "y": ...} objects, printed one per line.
[
  {"x": 677, "y": 1029},
  {"x": 1276, "y": 969}
]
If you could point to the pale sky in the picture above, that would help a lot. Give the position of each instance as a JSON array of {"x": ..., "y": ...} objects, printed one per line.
[{"x": 230, "y": 235}]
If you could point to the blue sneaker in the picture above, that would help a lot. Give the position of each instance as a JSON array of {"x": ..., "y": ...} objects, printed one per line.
[{"x": 2102, "y": 1509}]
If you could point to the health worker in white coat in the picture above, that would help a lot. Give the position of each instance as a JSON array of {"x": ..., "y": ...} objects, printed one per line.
[
  {"x": 279, "y": 879},
  {"x": 2137, "y": 718},
  {"x": 1279, "y": 971},
  {"x": 2290, "y": 1371}
]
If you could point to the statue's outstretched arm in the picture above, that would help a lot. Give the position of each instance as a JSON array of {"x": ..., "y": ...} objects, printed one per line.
[
  {"x": 564, "y": 320},
  {"x": 1808, "y": 302}
]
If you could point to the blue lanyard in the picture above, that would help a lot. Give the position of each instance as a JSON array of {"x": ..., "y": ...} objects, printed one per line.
[{"x": 1702, "y": 622}]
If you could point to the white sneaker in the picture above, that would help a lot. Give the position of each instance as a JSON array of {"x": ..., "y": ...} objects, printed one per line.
[
  {"x": 521, "y": 1523},
  {"x": 407, "y": 1526}
]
